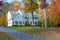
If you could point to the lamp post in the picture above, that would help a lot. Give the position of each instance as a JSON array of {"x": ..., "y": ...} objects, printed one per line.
[{"x": 43, "y": 5}]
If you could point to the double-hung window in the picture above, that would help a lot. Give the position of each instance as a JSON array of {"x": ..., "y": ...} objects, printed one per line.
[
  {"x": 20, "y": 22},
  {"x": 13, "y": 22},
  {"x": 16, "y": 22}
]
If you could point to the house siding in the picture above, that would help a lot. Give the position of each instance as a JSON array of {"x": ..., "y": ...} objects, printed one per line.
[
  {"x": 20, "y": 20},
  {"x": 34, "y": 20}
]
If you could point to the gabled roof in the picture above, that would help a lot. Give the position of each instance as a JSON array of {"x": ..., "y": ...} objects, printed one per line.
[{"x": 17, "y": 16}]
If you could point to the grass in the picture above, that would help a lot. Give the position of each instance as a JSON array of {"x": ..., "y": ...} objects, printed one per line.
[
  {"x": 5, "y": 36},
  {"x": 46, "y": 33},
  {"x": 20, "y": 28}
]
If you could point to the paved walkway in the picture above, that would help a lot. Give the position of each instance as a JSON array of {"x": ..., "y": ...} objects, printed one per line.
[{"x": 20, "y": 36}]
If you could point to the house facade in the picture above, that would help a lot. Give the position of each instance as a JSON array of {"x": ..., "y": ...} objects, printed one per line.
[
  {"x": 19, "y": 18},
  {"x": 32, "y": 20}
]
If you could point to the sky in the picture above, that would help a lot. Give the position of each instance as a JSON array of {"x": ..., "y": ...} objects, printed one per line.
[
  {"x": 11, "y": 1},
  {"x": 48, "y": 1}
]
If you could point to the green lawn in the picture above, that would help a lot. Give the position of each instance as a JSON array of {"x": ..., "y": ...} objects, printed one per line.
[
  {"x": 21, "y": 28},
  {"x": 5, "y": 36},
  {"x": 37, "y": 31}
]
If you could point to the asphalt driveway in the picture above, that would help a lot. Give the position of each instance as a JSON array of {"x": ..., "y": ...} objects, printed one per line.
[{"x": 19, "y": 35}]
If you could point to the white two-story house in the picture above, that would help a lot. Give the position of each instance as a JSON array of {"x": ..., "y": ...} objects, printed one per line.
[
  {"x": 19, "y": 18},
  {"x": 15, "y": 18}
]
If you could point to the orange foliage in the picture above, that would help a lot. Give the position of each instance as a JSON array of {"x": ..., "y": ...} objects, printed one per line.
[{"x": 54, "y": 11}]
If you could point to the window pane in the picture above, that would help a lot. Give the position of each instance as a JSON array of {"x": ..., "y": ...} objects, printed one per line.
[
  {"x": 35, "y": 23},
  {"x": 36, "y": 17},
  {"x": 20, "y": 22},
  {"x": 13, "y": 22},
  {"x": 30, "y": 22},
  {"x": 16, "y": 22}
]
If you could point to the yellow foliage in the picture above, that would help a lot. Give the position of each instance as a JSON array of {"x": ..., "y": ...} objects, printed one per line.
[{"x": 3, "y": 21}]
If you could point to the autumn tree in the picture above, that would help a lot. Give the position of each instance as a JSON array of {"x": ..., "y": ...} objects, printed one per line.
[
  {"x": 33, "y": 6},
  {"x": 54, "y": 12}
]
